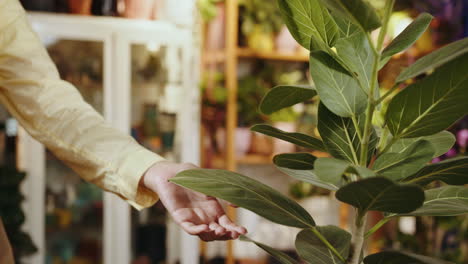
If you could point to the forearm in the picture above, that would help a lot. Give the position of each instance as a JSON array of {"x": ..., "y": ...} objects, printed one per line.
[{"x": 54, "y": 113}]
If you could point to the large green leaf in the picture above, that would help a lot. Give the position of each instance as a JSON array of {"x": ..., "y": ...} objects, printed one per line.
[
  {"x": 247, "y": 193},
  {"x": 356, "y": 52},
  {"x": 308, "y": 19},
  {"x": 432, "y": 104},
  {"x": 435, "y": 59},
  {"x": 400, "y": 165},
  {"x": 284, "y": 96},
  {"x": 406, "y": 38},
  {"x": 337, "y": 89},
  {"x": 309, "y": 177},
  {"x": 295, "y": 161},
  {"x": 314, "y": 251},
  {"x": 451, "y": 171},
  {"x": 332, "y": 170},
  {"x": 444, "y": 201},
  {"x": 360, "y": 12},
  {"x": 282, "y": 257},
  {"x": 381, "y": 194},
  {"x": 299, "y": 139},
  {"x": 340, "y": 135},
  {"x": 442, "y": 142},
  {"x": 346, "y": 27},
  {"x": 399, "y": 257}
]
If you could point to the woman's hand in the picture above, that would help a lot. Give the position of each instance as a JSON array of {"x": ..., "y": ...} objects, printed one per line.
[{"x": 196, "y": 213}]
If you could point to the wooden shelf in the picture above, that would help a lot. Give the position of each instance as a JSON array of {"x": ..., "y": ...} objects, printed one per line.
[
  {"x": 219, "y": 56},
  {"x": 248, "y": 53}
]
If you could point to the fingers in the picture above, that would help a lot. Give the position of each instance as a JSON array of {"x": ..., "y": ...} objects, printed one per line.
[
  {"x": 193, "y": 229},
  {"x": 225, "y": 222}
]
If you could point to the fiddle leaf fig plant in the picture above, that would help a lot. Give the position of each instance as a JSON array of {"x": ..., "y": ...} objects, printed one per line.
[{"x": 382, "y": 166}]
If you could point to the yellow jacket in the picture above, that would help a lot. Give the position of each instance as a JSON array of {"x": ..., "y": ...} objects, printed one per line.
[{"x": 54, "y": 113}]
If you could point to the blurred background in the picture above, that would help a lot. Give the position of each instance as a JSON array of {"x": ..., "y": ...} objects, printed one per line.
[{"x": 185, "y": 78}]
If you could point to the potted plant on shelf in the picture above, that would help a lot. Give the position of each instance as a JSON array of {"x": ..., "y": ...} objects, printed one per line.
[
  {"x": 261, "y": 20},
  {"x": 385, "y": 172}
]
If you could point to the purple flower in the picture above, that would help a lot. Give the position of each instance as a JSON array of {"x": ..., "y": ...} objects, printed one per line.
[
  {"x": 462, "y": 138},
  {"x": 451, "y": 153},
  {"x": 436, "y": 160}
]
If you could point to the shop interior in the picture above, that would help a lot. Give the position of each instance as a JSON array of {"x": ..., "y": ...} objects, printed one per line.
[{"x": 185, "y": 79}]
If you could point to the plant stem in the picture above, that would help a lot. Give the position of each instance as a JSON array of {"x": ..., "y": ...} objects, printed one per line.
[
  {"x": 329, "y": 246},
  {"x": 375, "y": 69},
  {"x": 389, "y": 92},
  {"x": 358, "y": 237},
  {"x": 376, "y": 227},
  {"x": 389, "y": 145}
]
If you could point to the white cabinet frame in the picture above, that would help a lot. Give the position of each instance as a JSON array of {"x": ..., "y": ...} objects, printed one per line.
[{"x": 117, "y": 36}]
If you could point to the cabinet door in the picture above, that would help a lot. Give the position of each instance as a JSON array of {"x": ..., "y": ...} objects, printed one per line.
[
  {"x": 73, "y": 207},
  {"x": 155, "y": 90}
]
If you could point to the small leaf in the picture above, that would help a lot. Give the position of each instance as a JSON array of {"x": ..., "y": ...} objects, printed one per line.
[
  {"x": 309, "y": 18},
  {"x": 381, "y": 194},
  {"x": 406, "y": 38},
  {"x": 299, "y": 139},
  {"x": 435, "y": 59},
  {"x": 355, "y": 51},
  {"x": 247, "y": 193},
  {"x": 441, "y": 142},
  {"x": 360, "y": 12},
  {"x": 340, "y": 136},
  {"x": 282, "y": 257},
  {"x": 332, "y": 170},
  {"x": 394, "y": 257},
  {"x": 451, "y": 171},
  {"x": 309, "y": 177},
  {"x": 337, "y": 89},
  {"x": 285, "y": 96},
  {"x": 314, "y": 251},
  {"x": 432, "y": 104},
  {"x": 295, "y": 161},
  {"x": 396, "y": 166},
  {"x": 444, "y": 201}
]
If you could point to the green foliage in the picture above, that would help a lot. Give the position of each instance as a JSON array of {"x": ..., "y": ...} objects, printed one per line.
[
  {"x": 393, "y": 257},
  {"x": 295, "y": 161},
  {"x": 393, "y": 177},
  {"x": 381, "y": 194},
  {"x": 278, "y": 255},
  {"x": 309, "y": 18},
  {"x": 12, "y": 214},
  {"x": 312, "y": 249},
  {"x": 285, "y": 96},
  {"x": 451, "y": 171},
  {"x": 408, "y": 36},
  {"x": 299, "y": 139},
  {"x": 248, "y": 193}
]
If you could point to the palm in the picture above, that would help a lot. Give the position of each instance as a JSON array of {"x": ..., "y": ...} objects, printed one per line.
[{"x": 196, "y": 213}]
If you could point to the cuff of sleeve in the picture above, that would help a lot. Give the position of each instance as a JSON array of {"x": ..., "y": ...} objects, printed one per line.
[{"x": 132, "y": 170}]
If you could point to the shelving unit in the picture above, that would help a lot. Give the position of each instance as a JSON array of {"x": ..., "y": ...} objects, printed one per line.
[
  {"x": 120, "y": 43},
  {"x": 230, "y": 57}
]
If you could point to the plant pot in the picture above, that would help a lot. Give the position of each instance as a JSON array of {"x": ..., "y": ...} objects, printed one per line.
[
  {"x": 180, "y": 12},
  {"x": 139, "y": 9},
  {"x": 259, "y": 40},
  {"x": 281, "y": 146},
  {"x": 285, "y": 42},
  {"x": 80, "y": 7},
  {"x": 243, "y": 138}
]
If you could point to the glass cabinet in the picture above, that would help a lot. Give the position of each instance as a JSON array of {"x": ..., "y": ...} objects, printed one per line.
[{"x": 140, "y": 75}]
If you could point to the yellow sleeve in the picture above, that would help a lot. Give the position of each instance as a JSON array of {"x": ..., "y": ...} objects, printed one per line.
[{"x": 54, "y": 113}]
